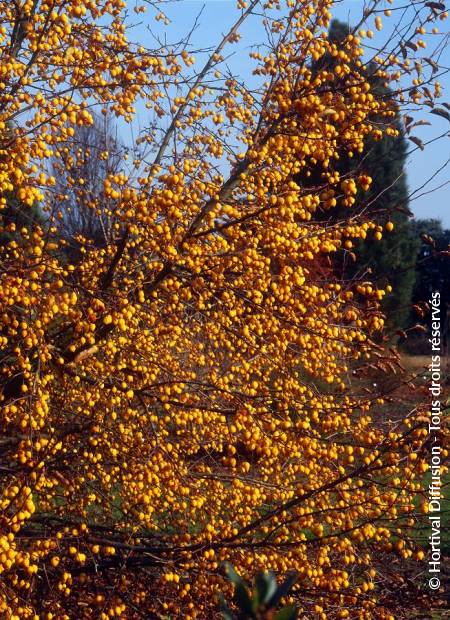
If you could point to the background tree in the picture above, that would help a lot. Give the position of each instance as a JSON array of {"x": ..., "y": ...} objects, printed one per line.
[
  {"x": 14, "y": 214},
  {"x": 433, "y": 265},
  {"x": 85, "y": 211},
  {"x": 382, "y": 162},
  {"x": 432, "y": 273}
]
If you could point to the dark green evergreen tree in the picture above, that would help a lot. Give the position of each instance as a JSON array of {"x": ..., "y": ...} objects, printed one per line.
[
  {"x": 393, "y": 258},
  {"x": 432, "y": 273},
  {"x": 19, "y": 215},
  {"x": 433, "y": 264},
  {"x": 15, "y": 215}
]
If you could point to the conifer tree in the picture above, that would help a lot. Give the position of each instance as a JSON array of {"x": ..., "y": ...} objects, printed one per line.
[
  {"x": 389, "y": 260},
  {"x": 14, "y": 213}
]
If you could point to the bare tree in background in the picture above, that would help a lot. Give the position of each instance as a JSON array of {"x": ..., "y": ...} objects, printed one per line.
[{"x": 85, "y": 212}]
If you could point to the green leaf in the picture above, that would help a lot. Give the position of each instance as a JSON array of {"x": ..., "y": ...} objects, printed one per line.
[
  {"x": 283, "y": 590},
  {"x": 243, "y": 600},
  {"x": 226, "y": 611},
  {"x": 266, "y": 585},
  {"x": 287, "y": 613},
  {"x": 232, "y": 574}
]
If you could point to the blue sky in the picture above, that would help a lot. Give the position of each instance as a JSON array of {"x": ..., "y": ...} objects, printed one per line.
[{"x": 218, "y": 15}]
